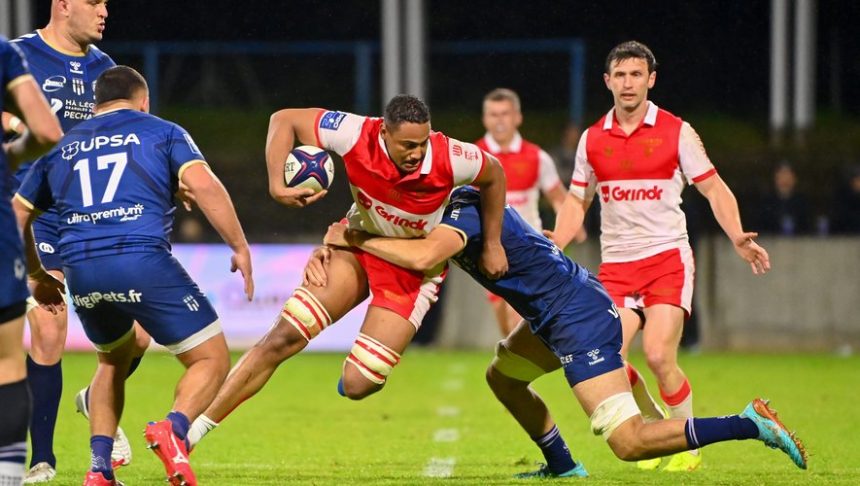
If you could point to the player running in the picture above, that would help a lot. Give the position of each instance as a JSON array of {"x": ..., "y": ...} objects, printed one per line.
[
  {"x": 401, "y": 175},
  {"x": 112, "y": 180},
  {"x": 639, "y": 159},
  {"x": 44, "y": 131},
  {"x": 570, "y": 323},
  {"x": 65, "y": 63},
  {"x": 529, "y": 172}
]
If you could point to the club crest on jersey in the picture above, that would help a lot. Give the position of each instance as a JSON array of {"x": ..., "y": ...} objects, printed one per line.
[
  {"x": 78, "y": 86},
  {"x": 54, "y": 83},
  {"x": 331, "y": 120},
  {"x": 75, "y": 67}
]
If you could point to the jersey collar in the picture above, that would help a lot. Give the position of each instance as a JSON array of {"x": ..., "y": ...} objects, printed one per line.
[
  {"x": 60, "y": 49},
  {"x": 650, "y": 116},
  {"x": 515, "y": 146}
]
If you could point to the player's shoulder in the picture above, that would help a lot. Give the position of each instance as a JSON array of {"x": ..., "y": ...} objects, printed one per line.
[
  {"x": 530, "y": 147},
  {"x": 97, "y": 56},
  {"x": 28, "y": 39}
]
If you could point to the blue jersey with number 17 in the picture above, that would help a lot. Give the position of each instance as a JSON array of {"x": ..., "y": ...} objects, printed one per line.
[
  {"x": 541, "y": 281},
  {"x": 112, "y": 180}
]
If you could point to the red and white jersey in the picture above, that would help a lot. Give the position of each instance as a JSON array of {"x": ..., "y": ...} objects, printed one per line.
[
  {"x": 640, "y": 178},
  {"x": 528, "y": 170},
  {"x": 387, "y": 202}
]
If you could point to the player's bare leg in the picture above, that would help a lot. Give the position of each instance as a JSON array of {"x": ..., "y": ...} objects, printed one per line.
[
  {"x": 44, "y": 371},
  {"x": 631, "y": 323},
  {"x": 661, "y": 338},
  {"x": 106, "y": 401},
  {"x": 383, "y": 337},
  {"x": 206, "y": 367},
  {"x": 506, "y": 317},
  {"x": 613, "y": 413},
  {"x": 346, "y": 288},
  {"x": 520, "y": 359}
]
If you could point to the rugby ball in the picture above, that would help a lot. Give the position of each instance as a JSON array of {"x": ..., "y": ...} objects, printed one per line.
[{"x": 309, "y": 166}]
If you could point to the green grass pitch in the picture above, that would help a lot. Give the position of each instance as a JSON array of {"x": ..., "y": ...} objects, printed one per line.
[{"x": 437, "y": 415}]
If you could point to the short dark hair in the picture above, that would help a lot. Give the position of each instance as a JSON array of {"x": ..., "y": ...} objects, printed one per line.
[
  {"x": 118, "y": 83},
  {"x": 405, "y": 108},
  {"x": 631, "y": 50}
]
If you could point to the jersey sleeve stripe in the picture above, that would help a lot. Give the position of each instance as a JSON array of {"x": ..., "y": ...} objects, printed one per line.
[
  {"x": 575, "y": 182},
  {"x": 188, "y": 164},
  {"x": 25, "y": 202},
  {"x": 20, "y": 79},
  {"x": 458, "y": 231},
  {"x": 317, "y": 128},
  {"x": 704, "y": 176}
]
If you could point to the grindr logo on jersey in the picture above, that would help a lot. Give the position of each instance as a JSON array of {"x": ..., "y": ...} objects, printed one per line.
[{"x": 118, "y": 140}]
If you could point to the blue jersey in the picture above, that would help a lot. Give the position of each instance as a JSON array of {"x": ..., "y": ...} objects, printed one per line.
[
  {"x": 67, "y": 80},
  {"x": 13, "y": 272},
  {"x": 541, "y": 280},
  {"x": 112, "y": 180}
]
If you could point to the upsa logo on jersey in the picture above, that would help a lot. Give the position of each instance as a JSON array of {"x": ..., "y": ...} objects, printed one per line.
[
  {"x": 618, "y": 193},
  {"x": 95, "y": 143},
  {"x": 420, "y": 224}
]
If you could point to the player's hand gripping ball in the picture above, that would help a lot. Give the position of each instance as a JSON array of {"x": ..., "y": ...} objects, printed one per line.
[{"x": 309, "y": 166}]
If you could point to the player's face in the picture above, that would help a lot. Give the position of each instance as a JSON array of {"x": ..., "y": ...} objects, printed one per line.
[
  {"x": 629, "y": 81},
  {"x": 87, "y": 20},
  {"x": 501, "y": 119},
  {"x": 407, "y": 144}
]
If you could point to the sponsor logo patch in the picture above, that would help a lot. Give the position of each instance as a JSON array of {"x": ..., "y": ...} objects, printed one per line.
[{"x": 331, "y": 120}]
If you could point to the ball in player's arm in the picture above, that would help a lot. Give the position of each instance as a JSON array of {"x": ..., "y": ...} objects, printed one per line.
[{"x": 585, "y": 337}]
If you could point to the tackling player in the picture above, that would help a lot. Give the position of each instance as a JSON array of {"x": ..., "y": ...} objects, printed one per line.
[
  {"x": 65, "y": 64},
  {"x": 112, "y": 180},
  {"x": 401, "y": 174},
  {"x": 639, "y": 159},
  {"x": 529, "y": 171},
  {"x": 44, "y": 131},
  {"x": 570, "y": 323}
]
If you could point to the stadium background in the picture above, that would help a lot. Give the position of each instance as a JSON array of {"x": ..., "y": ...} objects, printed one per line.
[
  {"x": 437, "y": 418},
  {"x": 220, "y": 71}
]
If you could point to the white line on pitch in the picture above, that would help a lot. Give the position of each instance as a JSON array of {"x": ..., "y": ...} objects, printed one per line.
[
  {"x": 448, "y": 411},
  {"x": 440, "y": 467},
  {"x": 452, "y": 384},
  {"x": 446, "y": 435}
]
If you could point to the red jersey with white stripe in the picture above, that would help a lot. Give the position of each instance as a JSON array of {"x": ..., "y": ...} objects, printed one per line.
[
  {"x": 640, "y": 178},
  {"x": 386, "y": 201},
  {"x": 528, "y": 170}
]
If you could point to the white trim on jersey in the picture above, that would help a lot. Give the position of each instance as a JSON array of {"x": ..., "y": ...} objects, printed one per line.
[
  {"x": 467, "y": 164},
  {"x": 691, "y": 152},
  {"x": 650, "y": 116},
  {"x": 515, "y": 146},
  {"x": 548, "y": 178},
  {"x": 342, "y": 138}
]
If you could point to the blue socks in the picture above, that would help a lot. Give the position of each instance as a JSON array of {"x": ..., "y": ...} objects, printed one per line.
[
  {"x": 15, "y": 398},
  {"x": 703, "y": 431},
  {"x": 555, "y": 451},
  {"x": 340, "y": 390},
  {"x": 101, "y": 447},
  {"x": 181, "y": 424},
  {"x": 46, "y": 384}
]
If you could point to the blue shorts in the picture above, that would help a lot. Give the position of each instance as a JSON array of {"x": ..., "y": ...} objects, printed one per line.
[
  {"x": 586, "y": 336},
  {"x": 13, "y": 268},
  {"x": 47, "y": 235},
  {"x": 152, "y": 288}
]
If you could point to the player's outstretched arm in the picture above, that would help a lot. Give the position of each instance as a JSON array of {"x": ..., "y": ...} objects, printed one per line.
[
  {"x": 491, "y": 181},
  {"x": 285, "y": 126},
  {"x": 214, "y": 201},
  {"x": 725, "y": 209},
  {"x": 42, "y": 127},
  {"x": 419, "y": 254},
  {"x": 568, "y": 220},
  {"x": 47, "y": 290}
]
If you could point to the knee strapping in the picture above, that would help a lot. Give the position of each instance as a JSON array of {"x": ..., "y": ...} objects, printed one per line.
[
  {"x": 373, "y": 359},
  {"x": 613, "y": 412},
  {"x": 305, "y": 312},
  {"x": 515, "y": 366}
]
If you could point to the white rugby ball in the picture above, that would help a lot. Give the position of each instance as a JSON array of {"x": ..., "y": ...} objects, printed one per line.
[{"x": 309, "y": 166}]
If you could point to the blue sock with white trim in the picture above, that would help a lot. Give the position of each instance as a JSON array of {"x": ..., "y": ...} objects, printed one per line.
[
  {"x": 555, "y": 451},
  {"x": 101, "y": 447},
  {"x": 703, "y": 431}
]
